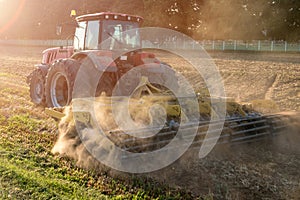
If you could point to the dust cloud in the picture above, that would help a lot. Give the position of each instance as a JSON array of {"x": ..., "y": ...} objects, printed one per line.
[
  {"x": 69, "y": 143},
  {"x": 102, "y": 133},
  {"x": 290, "y": 138}
]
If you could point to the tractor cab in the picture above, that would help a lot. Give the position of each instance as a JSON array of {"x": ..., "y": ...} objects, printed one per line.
[{"x": 107, "y": 31}]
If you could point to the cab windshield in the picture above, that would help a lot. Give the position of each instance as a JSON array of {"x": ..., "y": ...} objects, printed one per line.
[{"x": 120, "y": 35}]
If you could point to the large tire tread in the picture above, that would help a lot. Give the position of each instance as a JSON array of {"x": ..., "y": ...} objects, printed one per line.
[
  {"x": 68, "y": 68},
  {"x": 35, "y": 78}
]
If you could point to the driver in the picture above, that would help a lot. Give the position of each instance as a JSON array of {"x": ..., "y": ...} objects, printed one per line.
[
  {"x": 111, "y": 31},
  {"x": 108, "y": 38}
]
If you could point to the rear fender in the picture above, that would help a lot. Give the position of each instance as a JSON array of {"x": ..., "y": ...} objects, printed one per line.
[
  {"x": 146, "y": 57},
  {"x": 102, "y": 61},
  {"x": 159, "y": 68},
  {"x": 154, "y": 68}
]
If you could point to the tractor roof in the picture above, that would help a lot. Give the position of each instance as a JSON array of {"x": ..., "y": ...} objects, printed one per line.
[{"x": 111, "y": 16}]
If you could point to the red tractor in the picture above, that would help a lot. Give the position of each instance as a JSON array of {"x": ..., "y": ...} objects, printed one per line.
[{"x": 51, "y": 83}]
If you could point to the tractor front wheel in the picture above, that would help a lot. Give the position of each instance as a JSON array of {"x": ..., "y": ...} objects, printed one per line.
[
  {"x": 37, "y": 87},
  {"x": 60, "y": 82}
]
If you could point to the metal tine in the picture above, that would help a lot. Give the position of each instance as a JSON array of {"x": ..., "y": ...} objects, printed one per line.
[
  {"x": 248, "y": 123},
  {"x": 250, "y": 130},
  {"x": 250, "y": 136},
  {"x": 249, "y": 140}
]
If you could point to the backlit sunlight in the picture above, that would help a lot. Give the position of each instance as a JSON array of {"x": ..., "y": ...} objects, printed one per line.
[{"x": 10, "y": 10}]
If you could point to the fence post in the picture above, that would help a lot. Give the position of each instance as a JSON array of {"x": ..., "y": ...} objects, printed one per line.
[
  {"x": 213, "y": 45},
  {"x": 272, "y": 45},
  {"x": 285, "y": 46},
  {"x": 223, "y": 45},
  {"x": 235, "y": 44},
  {"x": 259, "y": 45}
]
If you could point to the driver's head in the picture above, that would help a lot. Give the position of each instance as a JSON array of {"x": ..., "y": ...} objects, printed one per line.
[{"x": 111, "y": 30}]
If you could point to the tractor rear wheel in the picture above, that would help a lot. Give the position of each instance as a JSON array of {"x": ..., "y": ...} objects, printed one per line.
[
  {"x": 37, "y": 87},
  {"x": 60, "y": 82},
  {"x": 106, "y": 84}
]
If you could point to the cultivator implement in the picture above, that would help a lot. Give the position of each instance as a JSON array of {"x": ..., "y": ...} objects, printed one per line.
[
  {"x": 235, "y": 131},
  {"x": 245, "y": 128}
]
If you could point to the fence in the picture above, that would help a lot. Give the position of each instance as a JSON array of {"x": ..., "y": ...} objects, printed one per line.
[
  {"x": 41, "y": 43},
  {"x": 229, "y": 45},
  {"x": 210, "y": 45}
]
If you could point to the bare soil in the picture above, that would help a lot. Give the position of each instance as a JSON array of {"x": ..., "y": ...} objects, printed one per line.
[
  {"x": 250, "y": 76},
  {"x": 266, "y": 170}
]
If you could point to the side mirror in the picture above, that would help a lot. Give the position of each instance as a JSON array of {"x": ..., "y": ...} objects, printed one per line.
[{"x": 58, "y": 29}]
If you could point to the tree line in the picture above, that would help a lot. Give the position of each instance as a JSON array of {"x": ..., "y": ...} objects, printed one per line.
[{"x": 200, "y": 19}]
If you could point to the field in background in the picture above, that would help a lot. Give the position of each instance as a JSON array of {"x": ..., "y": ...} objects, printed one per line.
[
  {"x": 256, "y": 171},
  {"x": 251, "y": 76}
]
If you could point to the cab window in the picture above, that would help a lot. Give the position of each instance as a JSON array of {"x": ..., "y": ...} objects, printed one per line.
[
  {"x": 79, "y": 36},
  {"x": 92, "y": 35}
]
